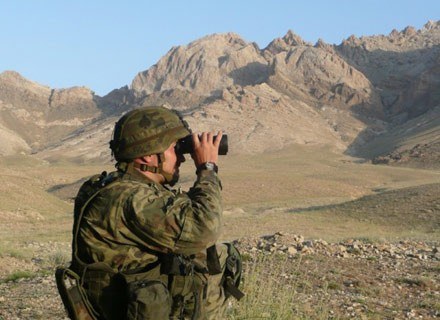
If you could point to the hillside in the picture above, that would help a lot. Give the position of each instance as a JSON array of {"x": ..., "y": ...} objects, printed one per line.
[
  {"x": 365, "y": 97},
  {"x": 34, "y": 117}
]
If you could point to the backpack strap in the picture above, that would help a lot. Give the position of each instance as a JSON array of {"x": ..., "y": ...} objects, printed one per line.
[{"x": 73, "y": 295}]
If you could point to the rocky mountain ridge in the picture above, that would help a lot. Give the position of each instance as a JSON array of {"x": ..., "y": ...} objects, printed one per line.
[{"x": 345, "y": 95}]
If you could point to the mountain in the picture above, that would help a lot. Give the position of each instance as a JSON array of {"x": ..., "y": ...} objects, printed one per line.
[
  {"x": 205, "y": 67},
  {"x": 36, "y": 116},
  {"x": 362, "y": 97},
  {"x": 33, "y": 117},
  {"x": 404, "y": 66}
]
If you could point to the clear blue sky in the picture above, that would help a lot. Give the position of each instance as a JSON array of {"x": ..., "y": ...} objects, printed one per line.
[{"x": 104, "y": 44}]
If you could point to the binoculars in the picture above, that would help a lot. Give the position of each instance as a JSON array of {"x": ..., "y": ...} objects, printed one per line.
[{"x": 185, "y": 145}]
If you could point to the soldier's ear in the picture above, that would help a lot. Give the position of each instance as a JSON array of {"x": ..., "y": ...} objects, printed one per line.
[
  {"x": 151, "y": 160},
  {"x": 148, "y": 160}
]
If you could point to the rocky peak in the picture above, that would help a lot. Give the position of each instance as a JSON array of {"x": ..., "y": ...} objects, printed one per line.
[
  {"x": 39, "y": 115},
  {"x": 394, "y": 33},
  {"x": 409, "y": 31},
  {"x": 70, "y": 96},
  {"x": 15, "y": 81},
  {"x": 78, "y": 91},
  {"x": 431, "y": 25},
  {"x": 293, "y": 39},
  {"x": 117, "y": 100},
  {"x": 12, "y": 76},
  {"x": 230, "y": 38},
  {"x": 400, "y": 64},
  {"x": 321, "y": 44},
  {"x": 70, "y": 103},
  {"x": 19, "y": 93},
  {"x": 284, "y": 44},
  {"x": 351, "y": 41},
  {"x": 409, "y": 39},
  {"x": 204, "y": 66}
]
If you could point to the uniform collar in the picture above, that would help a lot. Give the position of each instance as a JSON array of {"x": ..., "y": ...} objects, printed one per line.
[{"x": 132, "y": 173}]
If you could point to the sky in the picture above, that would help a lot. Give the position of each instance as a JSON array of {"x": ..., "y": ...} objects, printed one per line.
[{"x": 103, "y": 44}]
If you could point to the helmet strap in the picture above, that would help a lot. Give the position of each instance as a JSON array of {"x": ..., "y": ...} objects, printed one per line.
[
  {"x": 169, "y": 177},
  {"x": 143, "y": 167}
]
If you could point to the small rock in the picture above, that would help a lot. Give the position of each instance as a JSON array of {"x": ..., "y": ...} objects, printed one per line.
[
  {"x": 342, "y": 248},
  {"x": 307, "y": 250},
  {"x": 308, "y": 243}
]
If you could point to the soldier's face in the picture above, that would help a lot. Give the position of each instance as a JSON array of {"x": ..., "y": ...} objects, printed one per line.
[{"x": 172, "y": 163}]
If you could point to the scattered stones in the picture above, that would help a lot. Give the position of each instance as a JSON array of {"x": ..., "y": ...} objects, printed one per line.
[
  {"x": 280, "y": 243},
  {"x": 399, "y": 280}
]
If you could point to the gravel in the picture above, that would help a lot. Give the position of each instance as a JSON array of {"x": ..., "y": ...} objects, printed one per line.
[{"x": 392, "y": 280}]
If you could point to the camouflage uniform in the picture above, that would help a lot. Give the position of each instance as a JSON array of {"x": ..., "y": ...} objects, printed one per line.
[{"x": 141, "y": 248}]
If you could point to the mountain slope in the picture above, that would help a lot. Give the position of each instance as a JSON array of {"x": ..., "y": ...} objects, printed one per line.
[
  {"x": 205, "y": 66},
  {"x": 37, "y": 115},
  {"x": 404, "y": 65},
  {"x": 361, "y": 97}
]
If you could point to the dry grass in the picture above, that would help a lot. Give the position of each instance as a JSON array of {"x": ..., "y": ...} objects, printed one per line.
[
  {"x": 321, "y": 287},
  {"x": 271, "y": 295},
  {"x": 262, "y": 194}
]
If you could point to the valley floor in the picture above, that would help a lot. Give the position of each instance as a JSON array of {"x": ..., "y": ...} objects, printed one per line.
[
  {"x": 369, "y": 247},
  {"x": 347, "y": 280}
]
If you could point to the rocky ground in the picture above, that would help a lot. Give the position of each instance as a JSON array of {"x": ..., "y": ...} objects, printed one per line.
[
  {"x": 420, "y": 156},
  {"x": 354, "y": 279},
  {"x": 364, "y": 269}
]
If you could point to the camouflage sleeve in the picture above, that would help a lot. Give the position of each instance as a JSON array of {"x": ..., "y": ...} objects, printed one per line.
[{"x": 183, "y": 223}]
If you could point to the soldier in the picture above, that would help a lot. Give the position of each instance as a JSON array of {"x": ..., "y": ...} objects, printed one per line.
[{"x": 142, "y": 250}]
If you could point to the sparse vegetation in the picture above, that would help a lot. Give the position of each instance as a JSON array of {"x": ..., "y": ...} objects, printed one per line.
[
  {"x": 17, "y": 252},
  {"x": 303, "y": 202},
  {"x": 17, "y": 275},
  {"x": 270, "y": 288},
  {"x": 418, "y": 281},
  {"x": 275, "y": 286},
  {"x": 321, "y": 287},
  {"x": 59, "y": 258}
]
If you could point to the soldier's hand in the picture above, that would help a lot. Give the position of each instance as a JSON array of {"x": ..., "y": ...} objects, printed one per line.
[{"x": 206, "y": 147}]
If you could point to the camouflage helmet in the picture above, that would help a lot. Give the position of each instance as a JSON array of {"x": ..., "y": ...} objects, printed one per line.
[{"x": 146, "y": 131}]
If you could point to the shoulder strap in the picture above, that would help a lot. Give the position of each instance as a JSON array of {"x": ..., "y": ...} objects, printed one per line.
[{"x": 74, "y": 297}]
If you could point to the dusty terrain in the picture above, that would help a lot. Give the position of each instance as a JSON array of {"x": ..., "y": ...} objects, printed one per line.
[
  {"x": 324, "y": 232},
  {"x": 368, "y": 248}
]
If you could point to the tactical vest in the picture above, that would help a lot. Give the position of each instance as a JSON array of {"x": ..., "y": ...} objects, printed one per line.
[{"x": 174, "y": 287}]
